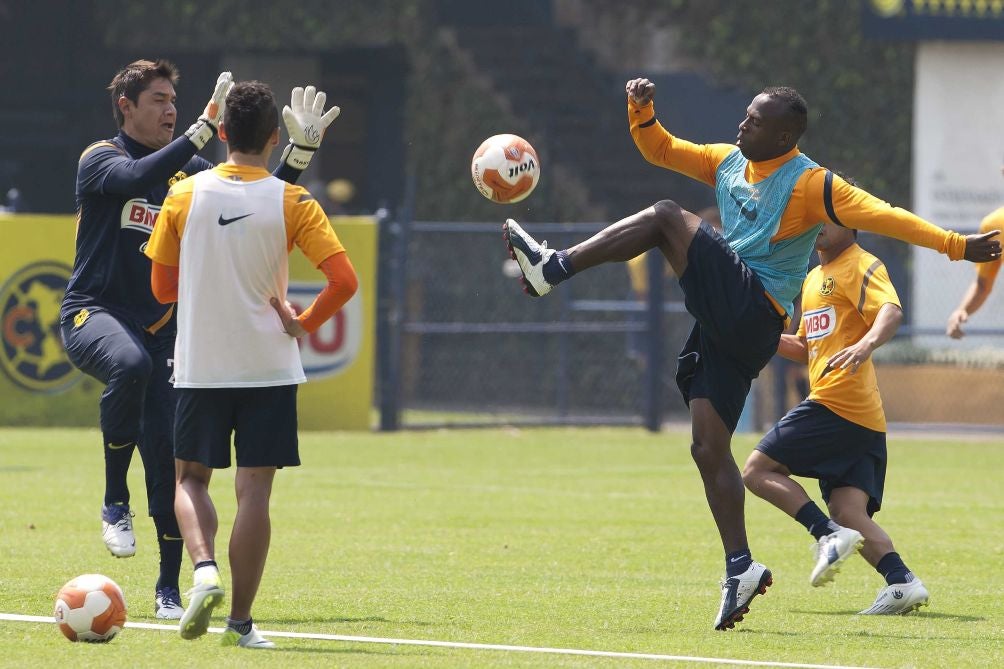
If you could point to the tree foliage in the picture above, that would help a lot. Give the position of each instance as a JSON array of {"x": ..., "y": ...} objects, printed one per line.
[{"x": 859, "y": 90}]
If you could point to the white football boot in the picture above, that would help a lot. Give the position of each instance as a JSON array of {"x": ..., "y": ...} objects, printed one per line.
[
  {"x": 167, "y": 604},
  {"x": 531, "y": 257},
  {"x": 898, "y": 598},
  {"x": 831, "y": 551},
  {"x": 205, "y": 595},
  {"x": 739, "y": 591},
  {"x": 116, "y": 530},
  {"x": 252, "y": 639}
]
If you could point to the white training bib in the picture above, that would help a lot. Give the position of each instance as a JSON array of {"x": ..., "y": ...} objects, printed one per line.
[{"x": 234, "y": 258}]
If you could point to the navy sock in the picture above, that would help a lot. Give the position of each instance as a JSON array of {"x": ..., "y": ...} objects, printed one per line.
[
  {"x": 171, "y": 546},
  {"x": 117, "y": 461},
  {"x": 558, "y": 268},
  {"x": 893, "y": 569},
  {"x": 814, "y": 520},
  {"x": 738, "y": 562},
  {"x": 206, "y": 563},
  {"x": 242, "y": 626}
]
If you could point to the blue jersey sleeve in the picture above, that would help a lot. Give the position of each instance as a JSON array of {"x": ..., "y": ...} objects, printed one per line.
[{"x": 109, "y": 170}]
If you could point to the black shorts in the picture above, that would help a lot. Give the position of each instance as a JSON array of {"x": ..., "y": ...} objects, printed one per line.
[
  {"x": 814, "y": 442},
  {"x": 262, "y": 420},
  {"x": 737, "y": 329}
]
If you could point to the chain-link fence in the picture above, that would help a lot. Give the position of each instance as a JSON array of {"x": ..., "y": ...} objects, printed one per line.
[
  {"x": 466, "y": 346},
  {"x": 461, "y": 345}
]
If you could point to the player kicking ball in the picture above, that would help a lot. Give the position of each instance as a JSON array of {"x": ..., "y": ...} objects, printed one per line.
[{"x": 837, "y": 435}]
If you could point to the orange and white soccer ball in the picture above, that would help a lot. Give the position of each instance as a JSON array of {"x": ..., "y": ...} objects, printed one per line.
[
  {"x": 90, "y": 608},
  {"x": 505, "y": 168}
]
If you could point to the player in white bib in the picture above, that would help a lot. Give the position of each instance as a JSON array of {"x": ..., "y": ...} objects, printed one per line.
[{"x": 220, "y": 249}]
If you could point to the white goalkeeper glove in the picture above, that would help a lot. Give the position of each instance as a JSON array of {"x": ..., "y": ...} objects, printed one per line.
[
  {"x": 209, "y": 123},
  {"x": 306, "y": 122}
]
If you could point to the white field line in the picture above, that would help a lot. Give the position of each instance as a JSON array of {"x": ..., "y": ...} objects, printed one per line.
[{"x": 473, "y": 646}]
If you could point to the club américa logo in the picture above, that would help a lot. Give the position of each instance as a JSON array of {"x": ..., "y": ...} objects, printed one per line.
[{"x": 31, "y": 349}]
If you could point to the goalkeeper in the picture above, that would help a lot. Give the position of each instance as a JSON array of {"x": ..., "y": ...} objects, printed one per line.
[{"x": 111, "y": 325}]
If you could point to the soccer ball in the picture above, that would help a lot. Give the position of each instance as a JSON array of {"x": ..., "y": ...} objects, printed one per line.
[
  {"x": 505, "y": 168},
  {"x": 90, "y": 608}
]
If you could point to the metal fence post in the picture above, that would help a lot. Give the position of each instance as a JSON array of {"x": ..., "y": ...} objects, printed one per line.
[
  {"x": 391, "y": 315},
  {"x": 655, "y": 344}
]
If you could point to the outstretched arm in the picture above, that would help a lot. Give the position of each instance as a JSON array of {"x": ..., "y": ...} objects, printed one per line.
[
  {"x": 659, "y": 147},
  {"x": 830, "y": 198},
  {"x": 104, "y": 168}
]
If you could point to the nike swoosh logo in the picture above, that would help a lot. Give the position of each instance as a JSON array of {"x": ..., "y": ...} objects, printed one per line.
[
  {"x": 118, "y": 447},
  {"x": 749, "y": 214},
  {"x": 167, "y": 537},
  {"x": 735, "y": 559},
  {"x": 228, "y": 221}
]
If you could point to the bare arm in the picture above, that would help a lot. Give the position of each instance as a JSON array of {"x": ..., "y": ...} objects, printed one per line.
[
  {"x": 793, "y": 348},
  {"x": 882, "y": 330},
  {"x": 976, "y": 295}
]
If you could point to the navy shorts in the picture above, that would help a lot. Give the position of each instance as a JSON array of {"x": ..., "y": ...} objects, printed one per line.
[
  {"x": 737, "y": 329},
  {"x": 814, "y": 442},
  {"x": 261, "y": 420}
]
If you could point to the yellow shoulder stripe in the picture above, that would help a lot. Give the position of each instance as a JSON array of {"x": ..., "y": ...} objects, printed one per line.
[{"x": 97, "y": 145}]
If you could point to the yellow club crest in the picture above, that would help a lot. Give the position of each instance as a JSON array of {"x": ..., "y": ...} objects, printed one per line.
[
  {"x": 827, "y": 287},
  {"x": 81, "y": 318}
]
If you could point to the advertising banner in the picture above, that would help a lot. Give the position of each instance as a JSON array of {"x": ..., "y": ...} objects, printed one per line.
[{"x": 39, "y": 386}]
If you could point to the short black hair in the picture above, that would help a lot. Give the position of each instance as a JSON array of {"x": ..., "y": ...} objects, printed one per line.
[
  {"x": 250, "y": 117},
  {"x": 797, "y": 108},
  {"x": 135, "y": 78}
]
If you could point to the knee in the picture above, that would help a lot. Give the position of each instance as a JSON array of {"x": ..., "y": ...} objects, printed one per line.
[
  {"x": 133, "y": 367},
  {"x": 751, "y": 474},
  {"x": 667, "y": 213},
  {"x": 705, "y": 454},
  {"x": 842, "y": 515}
]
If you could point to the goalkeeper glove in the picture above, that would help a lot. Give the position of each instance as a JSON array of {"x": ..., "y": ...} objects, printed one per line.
[
  {"x": 209, "y": 123},
  {"x": 306, "y": 122}
]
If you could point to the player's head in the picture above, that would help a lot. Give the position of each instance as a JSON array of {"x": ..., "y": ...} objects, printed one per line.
[
  {"x": 775, "y": 120},
  {"x": 143, "y": 101},
  {"x": 251, "y": 119}
]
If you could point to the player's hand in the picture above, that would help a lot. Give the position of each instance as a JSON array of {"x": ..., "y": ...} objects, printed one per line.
[
  {"x": 851, "y": 358},
  {"x": 641, "y": 91},
  {"x": 287, "y": 315},
  {"x": 209, "y": 123},
  {"x": 955, "y": 321},
  {"x": 983, "y": 248},
  {"x": 306, "y": 122}
]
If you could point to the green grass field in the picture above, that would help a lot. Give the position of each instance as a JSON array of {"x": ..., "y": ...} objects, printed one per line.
[{"x": 565, "y": 538}]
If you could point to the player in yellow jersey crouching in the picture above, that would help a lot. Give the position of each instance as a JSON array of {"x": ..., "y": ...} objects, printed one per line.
[{"x": 837, "y": 435}]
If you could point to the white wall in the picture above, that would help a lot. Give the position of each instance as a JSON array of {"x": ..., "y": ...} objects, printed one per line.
[{"x": 958, "y": 150}]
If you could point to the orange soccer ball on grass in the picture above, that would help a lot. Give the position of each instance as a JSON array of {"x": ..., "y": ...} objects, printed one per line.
[
  {"x": 90, "y": 608},
  {"x": 505, "y": 168}
]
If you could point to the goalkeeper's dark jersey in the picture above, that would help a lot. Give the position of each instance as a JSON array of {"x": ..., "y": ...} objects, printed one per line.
[{"x": 120, "y": 188}]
